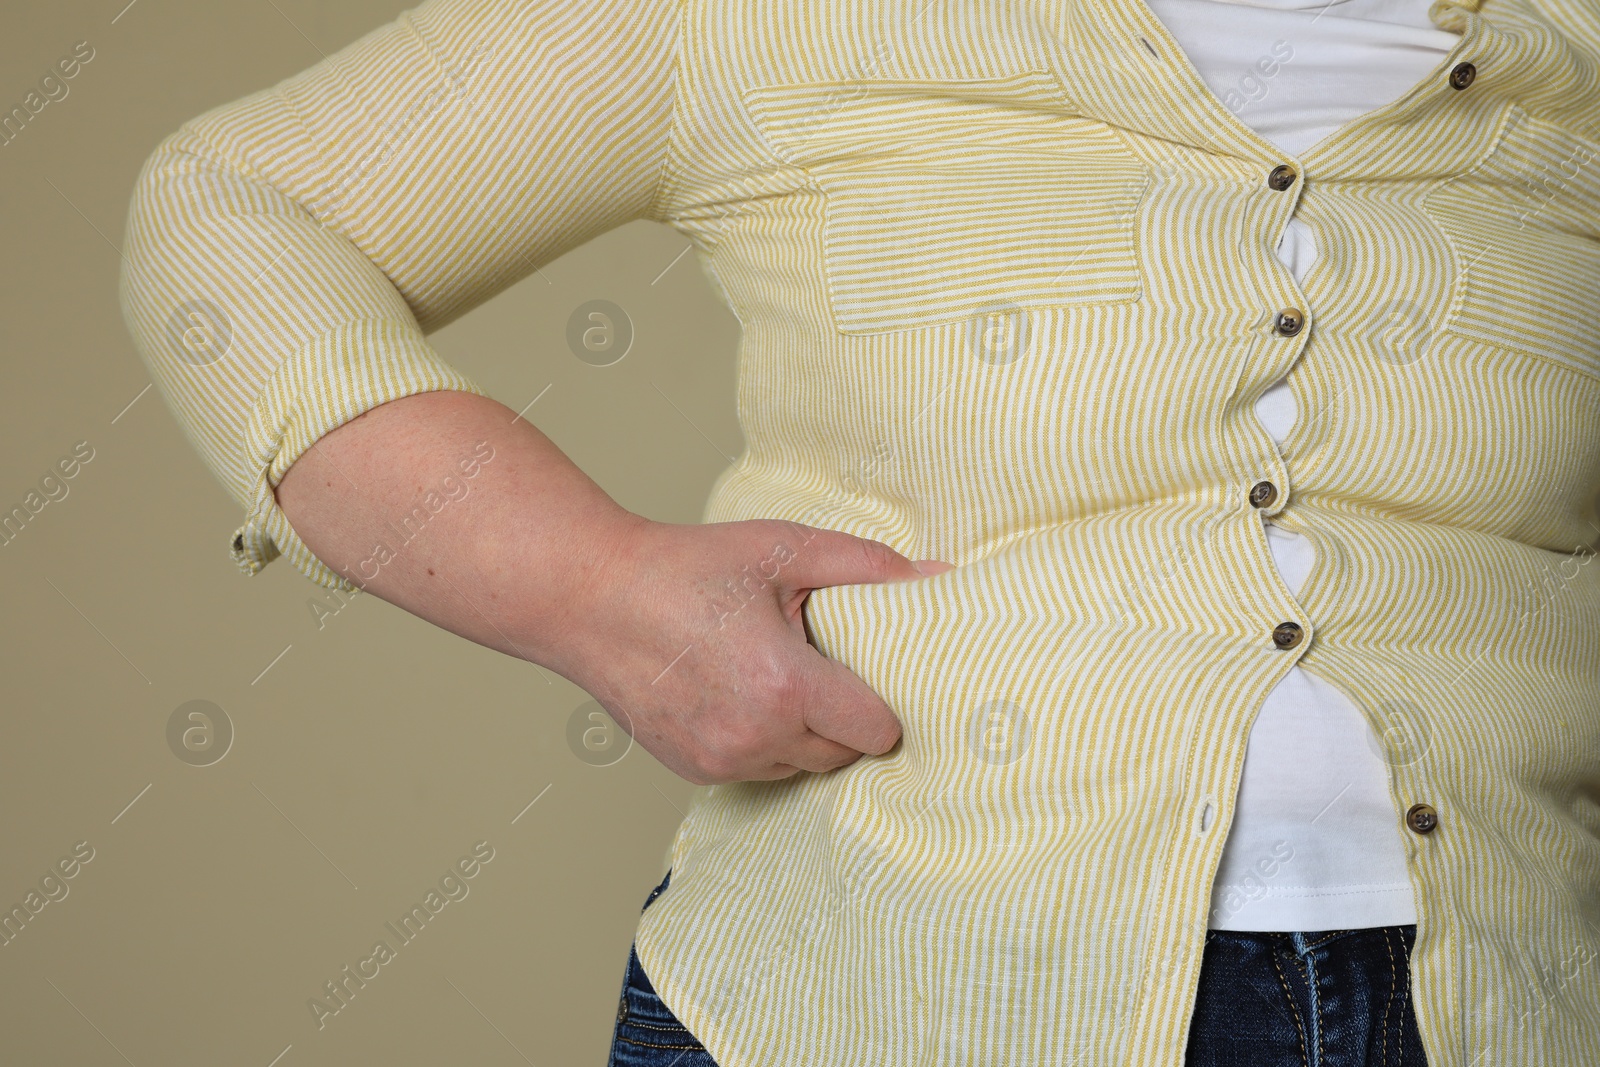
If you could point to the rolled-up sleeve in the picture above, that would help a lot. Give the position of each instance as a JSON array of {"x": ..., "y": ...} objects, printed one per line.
[{"x": 288, "y": 253}]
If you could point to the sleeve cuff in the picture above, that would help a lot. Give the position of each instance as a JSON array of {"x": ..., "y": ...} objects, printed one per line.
[{"x": 343, "y": 373}]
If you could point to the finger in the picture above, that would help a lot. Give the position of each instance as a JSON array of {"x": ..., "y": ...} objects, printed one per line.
[
  {"x": 925, "y": 568},
  {"x": 841, "y": 707},
  {"x": 829, "y": 557},
  {"x": 817, "y": 754},
  {"x": 772, "y": 773}
]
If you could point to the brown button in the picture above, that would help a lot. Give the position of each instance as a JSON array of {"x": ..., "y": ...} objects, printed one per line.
[
  {"x": 1289, "y": 322},
  {"x": 1421, "y": 818},
  {"x": 1262, "y": 494},
  {"x": 1462, "y": 74},
  {"x": 1281, "y": 178},
  {"x": 1287, "y": 634}
]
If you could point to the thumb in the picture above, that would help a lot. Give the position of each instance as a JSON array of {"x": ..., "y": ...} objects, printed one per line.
[{"x": 830, "y": 557}]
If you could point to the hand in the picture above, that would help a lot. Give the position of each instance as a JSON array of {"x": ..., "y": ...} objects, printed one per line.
[{"x": 696, "y": 646}]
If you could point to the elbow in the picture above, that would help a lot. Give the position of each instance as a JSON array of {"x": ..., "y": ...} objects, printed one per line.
[{"x": 183, "y": 220}]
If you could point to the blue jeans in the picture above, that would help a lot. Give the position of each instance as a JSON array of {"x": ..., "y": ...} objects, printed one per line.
[
  {"x": 1329, "y": 998},
  {"x": 647, "y": 1033}
]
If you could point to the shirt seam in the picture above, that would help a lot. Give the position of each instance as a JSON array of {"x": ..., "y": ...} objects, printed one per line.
[
  {"x": 218, "y": 155},
  {"x": 658, "y": 193},
  {"x": 334, "y": 223},
  {"x": 1304, "y": 891}
]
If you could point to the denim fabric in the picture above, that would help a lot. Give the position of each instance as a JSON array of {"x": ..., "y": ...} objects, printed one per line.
[
  {"x": 1331, "y": 998},
  {"x": 647, "y": 1034}
]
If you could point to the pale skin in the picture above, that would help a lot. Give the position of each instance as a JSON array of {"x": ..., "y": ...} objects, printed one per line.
[{"x": 538, "y": 562}]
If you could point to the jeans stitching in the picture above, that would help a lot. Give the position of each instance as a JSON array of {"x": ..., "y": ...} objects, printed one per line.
[
  {"x": 1394, "y": 985},
  {"x": 1406, "y": 1014},
  {"x": 1309, "y": 965},
  {"x": 1325, "y": 939},
  {"x": 629, "y": 1015},
  {"x": 696, "y": 1047},
  {"x": 1293, "y": 1007},
  {"x": 663, "y": 1029},
  {"x": 1305, "y": 959}
]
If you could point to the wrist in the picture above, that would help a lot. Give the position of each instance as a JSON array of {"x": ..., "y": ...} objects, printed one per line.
[{"x": 571, "y": 601}]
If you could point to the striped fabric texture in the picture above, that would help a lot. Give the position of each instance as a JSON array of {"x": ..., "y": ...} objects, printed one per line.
[{"x": 1008, "y": 293}]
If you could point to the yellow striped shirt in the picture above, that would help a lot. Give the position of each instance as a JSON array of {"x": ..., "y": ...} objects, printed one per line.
[{"x": 1007, "y": 287}]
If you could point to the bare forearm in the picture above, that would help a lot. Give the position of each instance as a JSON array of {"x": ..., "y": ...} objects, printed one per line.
[{"x": 448, "y": 506}]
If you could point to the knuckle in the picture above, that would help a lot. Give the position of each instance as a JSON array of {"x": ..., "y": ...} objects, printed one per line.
[
  {"x": 789, "y": 686},
  {"x": 732, "y": 748},
  {"x": 742, "y": 743},
  {"x": 877, "y": 559},
  {"x": 714, "y": 767},
  {"x": 845, "y": 760},
  {"x": 835, "y": 757},
  {"x": 777, "y": 679},
  {"x": 781, "y": 528}
]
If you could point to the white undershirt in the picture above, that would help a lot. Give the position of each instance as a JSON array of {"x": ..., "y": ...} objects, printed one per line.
[{"x": 1315, "y": 842}]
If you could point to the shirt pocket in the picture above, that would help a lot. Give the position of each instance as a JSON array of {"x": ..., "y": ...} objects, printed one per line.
[
  {"x": 1524, "y": 227},
  {"x": 944, "y": 197}
]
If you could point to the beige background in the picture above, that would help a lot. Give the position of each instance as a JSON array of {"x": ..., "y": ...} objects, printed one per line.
[{"x": 370, "y": 752}]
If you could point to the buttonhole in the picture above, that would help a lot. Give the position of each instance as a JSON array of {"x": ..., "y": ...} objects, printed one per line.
[
  {"x": 1149, "y": 47},
  {"x": 1207, "y": 810}
]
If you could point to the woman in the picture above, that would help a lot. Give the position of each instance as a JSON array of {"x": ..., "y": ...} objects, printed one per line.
[{"x": 1032, "y": 294}]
